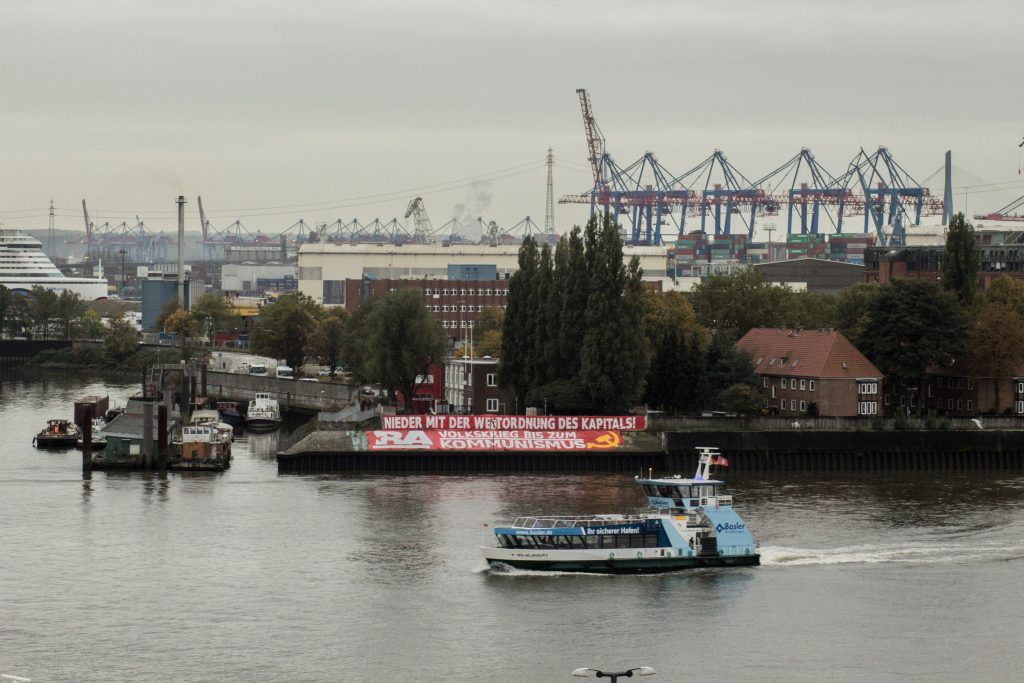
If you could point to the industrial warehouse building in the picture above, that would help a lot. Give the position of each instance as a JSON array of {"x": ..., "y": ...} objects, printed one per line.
[{"x": 324, "y": 268}]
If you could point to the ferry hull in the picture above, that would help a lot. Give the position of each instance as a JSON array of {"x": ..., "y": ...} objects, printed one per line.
[
  {"x": 261, "y": 424},
  {"x": 617, "y": 565}
]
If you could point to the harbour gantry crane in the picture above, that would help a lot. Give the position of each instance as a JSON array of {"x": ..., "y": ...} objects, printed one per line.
[{"x": 423, "y": 231}]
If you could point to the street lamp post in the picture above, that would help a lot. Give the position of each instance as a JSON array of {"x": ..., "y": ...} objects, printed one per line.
[
  {"x": 615, "y": 675},
  {"x": 124, "y": 279}
]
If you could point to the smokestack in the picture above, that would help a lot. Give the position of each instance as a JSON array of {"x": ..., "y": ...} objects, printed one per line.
[
  {"x": 947, "y": 195},
  {"x": 181, "y": 251}
]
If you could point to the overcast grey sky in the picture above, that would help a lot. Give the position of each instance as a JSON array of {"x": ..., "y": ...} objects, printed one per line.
[{"x": 313, "y": 106}]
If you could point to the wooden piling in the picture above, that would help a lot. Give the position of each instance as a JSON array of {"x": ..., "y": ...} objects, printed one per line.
[
  {"x": 147, "y": 434},
  {"x": 87, "y": 441},
  {"x": 162, "y": 438}
]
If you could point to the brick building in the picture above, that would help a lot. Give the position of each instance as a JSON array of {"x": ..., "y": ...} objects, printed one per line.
[
  {"x": 471, "y": 386},
  {"x": 799, "y": 367},
  {"x": 454, "y": 303}
]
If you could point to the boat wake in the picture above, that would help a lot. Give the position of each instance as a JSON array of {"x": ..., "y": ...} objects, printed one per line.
[
  {"x": 505, "y": 570},
  {"x": 885, "y": 554}
]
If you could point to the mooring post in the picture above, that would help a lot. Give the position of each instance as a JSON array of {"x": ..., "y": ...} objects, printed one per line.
[
  {"x": 87, "y": 440},
  {"x": 147, "y": 433},
  {"x": 162, "y": 438}
]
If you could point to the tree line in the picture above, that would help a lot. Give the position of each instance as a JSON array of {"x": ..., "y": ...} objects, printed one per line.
[{"x": 45, "y": 314}]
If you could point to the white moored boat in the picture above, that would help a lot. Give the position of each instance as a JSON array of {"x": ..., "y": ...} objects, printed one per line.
[
  {"x": 264, "y": 413},
  {"x": 691, "y": 524}
]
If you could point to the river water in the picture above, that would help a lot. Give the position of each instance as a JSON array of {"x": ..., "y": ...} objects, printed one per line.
[{"x": 251, "y": 576}]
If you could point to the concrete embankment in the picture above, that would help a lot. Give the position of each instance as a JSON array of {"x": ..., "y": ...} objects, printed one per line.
[
  {"x": 335, "y": 451},
  {"x": 293, "y": 395}
]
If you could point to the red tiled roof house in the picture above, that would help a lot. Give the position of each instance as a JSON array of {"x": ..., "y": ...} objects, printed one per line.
[{"x": 798, "y": 367}]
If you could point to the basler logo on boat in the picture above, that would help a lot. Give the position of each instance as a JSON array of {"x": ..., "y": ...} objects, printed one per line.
[{"x": 726, "y": 526}]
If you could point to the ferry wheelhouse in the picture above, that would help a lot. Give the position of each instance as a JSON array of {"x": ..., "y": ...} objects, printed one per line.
[{"x": 691, "y": 524}]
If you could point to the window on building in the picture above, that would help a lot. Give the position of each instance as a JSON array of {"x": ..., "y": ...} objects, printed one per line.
[
  {"x": 960, "y": 383},
  {"x": 929, "y": 391},
  {"x": 970, "y": 404},
  {"x": 1020, "y": 387},
  {"x": 803, "y": 406},
  {"x": 765, "y": 381},
  {"x": 970, "y": 383},
  {"x": 959, "y": 404},
  {"x": 1019, "y": 407},
  {"x": 949, "y": 404},
  {"x": 792, "y": 404},
  {"x": 492, "y": 379},
  {"x": 445, "y": 308},
  {"x": 488, "y": 292},
  {"x": 803, "y": 385},
  {"x": 437, "y": 309},
  {"x": 492, "y": 405},
  {"x": 773, "y": 392},
  {"x": 783, "y": 382},
  {"x": 462, "y": 292},
  {"x": 445, "y": 291},
  {"x": 810, "y": 385}
]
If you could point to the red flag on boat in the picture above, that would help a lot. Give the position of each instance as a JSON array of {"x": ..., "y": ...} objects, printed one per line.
[{"x": 719, "y": 460}]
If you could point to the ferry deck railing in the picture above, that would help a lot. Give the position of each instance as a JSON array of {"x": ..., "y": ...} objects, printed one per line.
[{"x": 573, "y": 522}]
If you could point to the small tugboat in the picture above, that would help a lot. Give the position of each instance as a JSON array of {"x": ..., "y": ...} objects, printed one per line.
[
  {"x": 99, "y": 438},
  {"x": 692, "y": 524},
  {"x": 204, "y": 444},
  {"x": 58, "y": 434},
  {"x": 264, "y": 413},
  {"x": 230, "y": 413}
]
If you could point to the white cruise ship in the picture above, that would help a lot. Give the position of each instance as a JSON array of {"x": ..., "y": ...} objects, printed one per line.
[{"x": 24, "y": 264}]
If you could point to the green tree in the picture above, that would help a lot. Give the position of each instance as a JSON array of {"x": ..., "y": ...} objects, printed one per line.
[
  {"x": 166, "y": 311},
  {"x": 393, "y": 340},
  {"x": 613, "y": 358},
  {"x": 1007, "y": 291},
  {"x": 284, "y": 328},
  {"x": 69, "y": 311},
  {"x": 543, "y": 365},
  {"x": 120, "y": 342},
  {"x": 5, "y": 307},
  {"x": 42, "y": 310},
  {"x": 517, "y": 332},
  {"x": 18, "y": 318},
  {"x": 487, "y": 332},
  {"x": 90, "y": 325},
  {"x": 726, "y": 367},
  {"x": 995, "y": 346},
  {"x": 328, "y": 338},
  {"x": 574, "y": 286},
  {"x": 812, "y": 310},
  {"x": 742, "y": 399},
  {"x": 733, "y": 304},
  {"x": 213, "y": 313},
  {"x": 913, "y": 324},
  {"x": 961, "y": 260},
  {"x": 853, "y": 310}
]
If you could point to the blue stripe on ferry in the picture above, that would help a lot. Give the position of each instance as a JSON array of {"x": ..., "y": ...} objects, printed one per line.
[{"x": 566, "y": 531}]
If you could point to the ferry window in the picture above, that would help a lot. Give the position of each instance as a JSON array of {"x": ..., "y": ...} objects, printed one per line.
[
  {"x": 636, "y": 540},
  {"x": 650, "y": 490}
]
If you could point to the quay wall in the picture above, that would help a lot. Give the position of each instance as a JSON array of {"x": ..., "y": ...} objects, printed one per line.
[
  {"x": 819, "y": 452},
  {"x": 16, "y": 352},
  {"x": 293, "y": 395}
]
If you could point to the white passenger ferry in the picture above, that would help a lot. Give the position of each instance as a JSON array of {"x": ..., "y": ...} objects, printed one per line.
[
  {"x": 691, "y": 524},
  {"x": 23, "y": 264}
]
